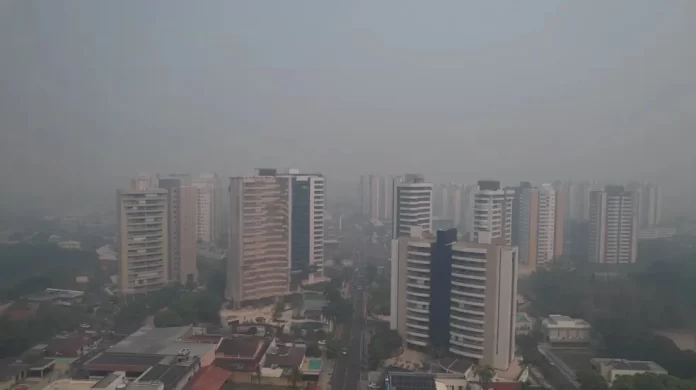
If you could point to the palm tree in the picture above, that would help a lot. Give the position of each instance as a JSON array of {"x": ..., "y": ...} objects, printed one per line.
[
  {"x": 485, "y": 376},
  {"x": 294, "y": 376},
  {"x": 258, "y": 374}
]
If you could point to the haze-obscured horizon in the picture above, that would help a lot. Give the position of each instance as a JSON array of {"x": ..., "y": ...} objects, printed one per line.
[{"x": 92, "y": 93}]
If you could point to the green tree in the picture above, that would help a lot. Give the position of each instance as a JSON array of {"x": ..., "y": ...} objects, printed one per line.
[
  {"x": 485, "y": 375},
  {"x": 651, "y": 381},
  {"x": 295, "y": 376},
  {"x": 278, "y": 310},
  {"x": 591, "y": 380},
  {"x": 168, "y": 318},
  {"x": 383, "y": 345}
]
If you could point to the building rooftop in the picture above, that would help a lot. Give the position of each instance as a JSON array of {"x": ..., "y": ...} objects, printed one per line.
[
  {"x": 195, "y": 349},
  {"x": 149, "y": 340},
  {"x": 119, "y": 361},
  {"x": 556, "y": 320},
  {"x": 242, "y": 347},
  {"x": 285, "y": 356},
  {"x": 209, "y": 378},
  {"x": 70, "y": 384},
  {"x": 69, "y": 345},
  {"x": 145, "y": 386},
  {"x": 633, "y": 365},
  {"x": 9, "y": 368},
  {"x": 108, "y": 380},
  {"x": 52, "y": 294},
  {"x": 410, "y": 381},
  {"x": 458, "y": 366},
  {"x": 170, "y": 375}
]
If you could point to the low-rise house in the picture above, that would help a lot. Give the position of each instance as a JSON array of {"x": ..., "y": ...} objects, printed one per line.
[
  {"x": 70, "y": 245},
  {"x": 168, "y": 342},
  {"x": 611, "y": 369},
  {"x": 56, "y": 296},
  {"x": 11, "y": 373},
  {"x": 245, "y": 354},
  {"x": 563, "y": 329},
  {"x": 72, "y": 345},
  {"x": 524, "y": 324},
  {"x": 209, "y": 378},
  {"x": 285, "y": 357}
]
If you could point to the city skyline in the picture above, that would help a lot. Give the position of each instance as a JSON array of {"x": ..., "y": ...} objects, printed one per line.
[{"x": 94, "y": 109}]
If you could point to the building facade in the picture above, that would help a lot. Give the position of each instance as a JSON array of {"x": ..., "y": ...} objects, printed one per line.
[
  {"x": 650, "y": 208},
  {"x": 578, "y": 200},
  {"x": 493, "y": 207},
  {"x": 413, "y": 205},
  {"x": 563, "y": 329},
  {"x": 458, "y": 297},
  {"x": 259, "y": 253},
  {"x": 206, "y": 188},
  {"x": 613, "y": 228},
  {"x": 466, "y": 225},
  {"x": 376, "y": 196},
  {"x": 448, "y": 202},
  {"x": 307, "y": 226},
  {"x": 182, "y": 228},
  {"x": 537, "y": 225},
  {"x": 142, "y": 239}
]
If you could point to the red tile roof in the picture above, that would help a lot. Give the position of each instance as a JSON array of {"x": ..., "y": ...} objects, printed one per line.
[
  {"x": 506, "y": 386},
  {"x": 69, "y": 346},
  {"x": 21, "y": 313},
  {"x": 209, "y": 378}
]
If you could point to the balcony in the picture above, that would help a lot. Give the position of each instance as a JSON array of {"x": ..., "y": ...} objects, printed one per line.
[{"x": 467, "y": 319}]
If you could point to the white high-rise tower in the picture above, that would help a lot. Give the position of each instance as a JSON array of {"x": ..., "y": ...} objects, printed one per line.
[{"x": 413, "y": 205}]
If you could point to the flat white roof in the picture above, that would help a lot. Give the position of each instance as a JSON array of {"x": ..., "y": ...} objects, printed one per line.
[{"x": 561, "y": 321}]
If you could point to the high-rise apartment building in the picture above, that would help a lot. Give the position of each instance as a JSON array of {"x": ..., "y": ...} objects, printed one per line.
[
  {"x": 259, "y": 253},
  {"x": 560, "y": 222},
  {"x": 516, "y": 211},
  {"x": 466, "y": 225},
  {"x": 376, "y": 197},
  {"x": 578, "y": 200},
  {"x": 181, "y": 228},
  {"x": 537, "y": 225},
  {"x": 493, "y": 208},
  {"x": 412, "y": 204},
  {"x": 142, "y": 237},
  {"x": 448, "y": 202},
  {"x": 650, "y": 205},
  {"x": 456, "y": 297},
  {"x": 365, "y": 195},
  {"x": 650, "y": 208},
  {"x": 307, "y": 226},
  {"x": 613, "y": 228},
  {"x": 207, "y": 203}
]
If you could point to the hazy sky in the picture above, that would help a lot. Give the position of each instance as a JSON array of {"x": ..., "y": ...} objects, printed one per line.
[{"x": 92, "y": 92}]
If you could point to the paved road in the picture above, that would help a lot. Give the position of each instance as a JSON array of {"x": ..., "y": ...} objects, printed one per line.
[{"x": 348, "y": 367}]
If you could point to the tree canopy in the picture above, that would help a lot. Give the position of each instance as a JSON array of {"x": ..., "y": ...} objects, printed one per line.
[
  {"x": 26, "y": 268},
  {"x": 383, "y": 345},
  {"x": 626, "y": 305}
]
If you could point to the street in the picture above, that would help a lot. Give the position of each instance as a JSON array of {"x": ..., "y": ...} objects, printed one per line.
[{"x": 348, "y": 367}]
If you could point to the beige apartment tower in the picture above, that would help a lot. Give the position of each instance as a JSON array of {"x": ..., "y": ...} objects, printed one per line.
[
  {"x": 143, "y": 248},
  {"x": 181, "y": 228},
  {"x": 455, "y": 295},
  {"x": 412, "y": 204},
  {"x": 613, "y": 229},
  {"x": 259, "y": 253},
  {"x": 537, "y": 228},
  {"x": 493, "y": 212},
  {"x": 207, "y": 204}
]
